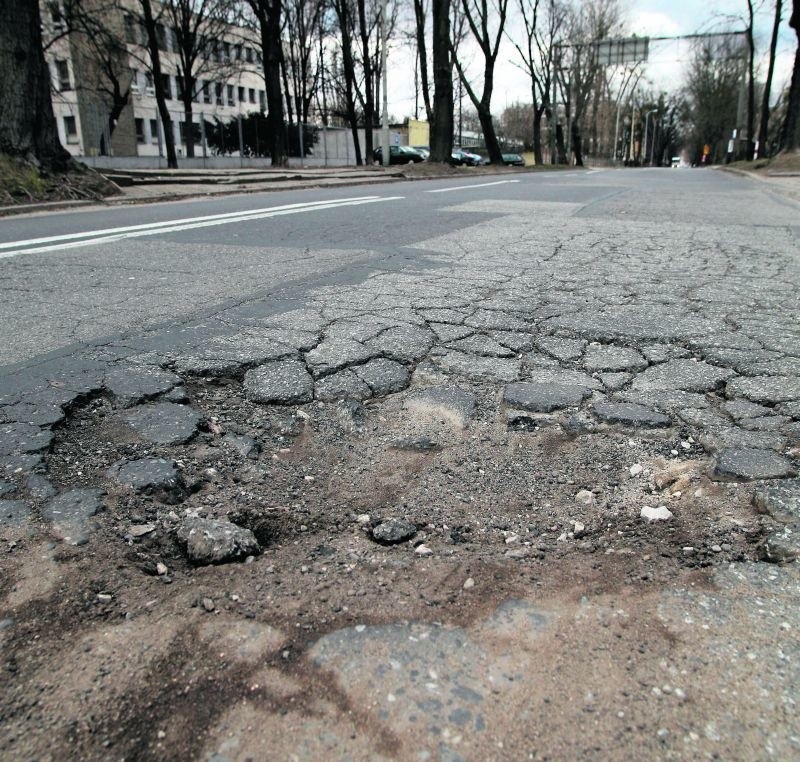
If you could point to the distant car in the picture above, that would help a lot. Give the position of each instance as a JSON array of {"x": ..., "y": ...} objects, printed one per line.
[
  {"x": 399, "y": 155},
  {"x": 676, "y": 162},
  {"x": 513, "y": 160},
  {"x": 424, "y": 150},
  {"x": 464, "y": 159}
]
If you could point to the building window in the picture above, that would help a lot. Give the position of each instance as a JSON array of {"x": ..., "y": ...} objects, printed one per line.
[
  {"x": 166, "y": 84},
  {"x": 206, "y": 93},
  {"x": 226, "y": 52},
  {"x": 154, "y": 130},
  {"x": 139, "y": 130},
  {"x": 262, "y": 100},
  {"x": 242, "y": 96},
  {"x": 237, "y": 52},
  {"x": 71, "y": 129},
  {"x": 248, "y": 55},
  {"x": 149, "y": 87},
  {"x": 56, "y": 16},
  {"x": 231, "y": 99},
  {"x": 161, "y": 38},
  {"x": 179, "y": 86},
  {"x": 131, "y": 30},
  {"x": 252, "y": 95},
  {"x": 62, "y": 71},
  {"x": 134, "y": 82},
  {"x": 218, "y": 93},
  {"x": 259, "y": 59}
]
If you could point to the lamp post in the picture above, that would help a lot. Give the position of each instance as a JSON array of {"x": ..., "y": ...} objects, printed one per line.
[{"x": 646, "y": 125}]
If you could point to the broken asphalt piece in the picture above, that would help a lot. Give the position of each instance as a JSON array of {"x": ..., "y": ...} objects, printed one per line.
[
  {"x": 69, "y": 514},
  {"x": 13, "y": 513},
  {"x": 164, "y": 422},
  {"x": 283, "y": 382},
  {"x": 133, "y": 384},
  {"x": 780, "y": 500},
  {"x": 448, "y": 403},
  {"x": 151, "y": 476},
  {"x": 210, "y": 541},
  {"x": 749, "y": 464},
  {"x": 19, "y": 438},
  {"x": 392, "y": 531},
  {"x": 630, "y": 414},
  {"x": 246, "y": 446},
  {"x": 543, "y": 397}
]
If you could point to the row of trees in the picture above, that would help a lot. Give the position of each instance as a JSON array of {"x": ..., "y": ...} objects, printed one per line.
[{"x": 325, "y": 56}]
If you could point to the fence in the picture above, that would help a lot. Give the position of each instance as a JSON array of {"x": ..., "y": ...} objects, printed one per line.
[{"x": 236, "y": 140}]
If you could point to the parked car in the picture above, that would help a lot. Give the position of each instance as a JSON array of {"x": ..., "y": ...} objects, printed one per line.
[
  {"x": 424, "y": 150},
  {"x": 399, "y": 155},
  {"x": 464, "y": 159},
  {"x": 513, "y": 160}
]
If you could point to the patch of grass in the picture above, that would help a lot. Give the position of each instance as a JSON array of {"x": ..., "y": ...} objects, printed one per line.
[{"x": 786, "y": 162}]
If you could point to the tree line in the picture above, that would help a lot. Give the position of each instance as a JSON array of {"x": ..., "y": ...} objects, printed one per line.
[{"x": 325, "y": 57}]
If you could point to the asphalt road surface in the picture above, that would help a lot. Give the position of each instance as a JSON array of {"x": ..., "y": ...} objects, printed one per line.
[
  {"x": 74, "y": 277},
  {"x": 510, "y": 465}
]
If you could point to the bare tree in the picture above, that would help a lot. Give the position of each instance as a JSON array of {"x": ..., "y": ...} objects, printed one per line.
[
  {"x": 544, "y": 24},
  {"x": 479, "y": 15},
  {"x": 302, "y": 32},
  {"x": 751, "y": 81},
  {"x": 344, "y": 17},
  {"x": 420, "y": 30}
]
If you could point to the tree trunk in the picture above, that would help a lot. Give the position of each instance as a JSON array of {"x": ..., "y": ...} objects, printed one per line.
[
  {"x": 561, "y": 149},
  {"x": 28, "y": 128},
  {"x": 790, "y": 133},
  {"x": 763, "y": 127},
  {"x": 369, "y": 92},
  {"x": 269, "y": 19},
  {"x": 158, "y": 83},
  {"x": 751, "y": 85},
  {"x": 577, "y": 143},
  {"x": 188, "y": 129},
  {"x": 489, "y": 135},
  {"x": 343, "y": 15},
  {"x": 422, "y": 54},
  {"x": 441, "y": 131}
]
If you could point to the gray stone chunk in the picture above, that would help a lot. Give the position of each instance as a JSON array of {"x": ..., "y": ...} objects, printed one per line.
[
  {"x": 151, "y": 476},
  {"x": 39, "y": 487},
  {"x": 229, "y": 355},
  {"x": 392, "y": 531},
  {"x": 703, "y": 418},
  {"x": 70, "y": 514},
  {"x": 38, "y": 413},
  {"x": 770, "y": 389},
  {"x": 483, "y": 346},
  {"x": 562, "y": 349},
  {"x": 133, "y": 384},
  {"x": 402, "y": 343},
  {"x": 765, "y": 423},
  {"x": 470, "y": 366},
  {"x": 780, "y": 547},
  {"x": 446, "y": 332},
  {"x": 684, "y": 375},
  {"x": 543, "y": 397},
  {"x": 164, "y": 422},
  {"x": 615, "y": 381},
  {"x": 780, "y": 500},
  {"x": 563, "y": 377},
  {"x": 785, "y": 366},
  {"x": 334, "y": 354},
  {"x": 22, "y": 464},
  {"x": 22, "y": 438},
  {"x": 13, "y": 513},
  {"x": 209, "y": 541},
  {"x": 383, "y": 376},
  {"x": 792, "y": 409},
  {"x": 246, "y": 446},
  {"x": 6, "y": 488},
  {"x": 342, "y": 385},
  {"x": 611, "y": 358},
  {"x": 629, "y": 414},
  {"x": 733, "y": 437},
  {"x": 656, "y": 353},
  {"x": 743, "y": 409},
  {"x": 283, "y": 382},
  {"x": 514, "y": 340},
  {"x": 443, "y": 402},
  {"x": 666, "y": 400},
  {"x": 497, "y": 320},
  {"x": 749, "y": 464}
]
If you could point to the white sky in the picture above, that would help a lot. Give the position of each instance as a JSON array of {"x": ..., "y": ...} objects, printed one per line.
[{"x": 652, "y": 18}]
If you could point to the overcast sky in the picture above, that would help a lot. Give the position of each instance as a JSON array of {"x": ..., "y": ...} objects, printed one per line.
[{"x": 652, "y": 18}]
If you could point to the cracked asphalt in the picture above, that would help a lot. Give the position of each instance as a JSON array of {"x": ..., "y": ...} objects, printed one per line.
[{"x": 510, "y": 469}]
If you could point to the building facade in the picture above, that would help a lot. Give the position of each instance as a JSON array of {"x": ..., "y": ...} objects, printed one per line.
[{"x": 92, "y": 73}]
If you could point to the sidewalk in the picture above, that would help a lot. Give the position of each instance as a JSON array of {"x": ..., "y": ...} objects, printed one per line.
[{"x": 785, "y": 183}]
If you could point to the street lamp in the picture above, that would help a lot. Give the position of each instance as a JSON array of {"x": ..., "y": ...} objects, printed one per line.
[{"x": 646, "y": 125}]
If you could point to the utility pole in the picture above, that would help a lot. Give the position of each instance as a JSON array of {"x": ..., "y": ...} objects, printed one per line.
[{"x": 385, "y": 150}]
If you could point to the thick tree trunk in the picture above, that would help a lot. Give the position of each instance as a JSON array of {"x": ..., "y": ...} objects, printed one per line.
[
  {"x": 763, "y": 125},
  {"x": 158, "y": 83},
  {"x": 369, "y": 94},
  {"x": 790, "y": 133},
  {"x": 273, "y": 54},
  {"x": 489, "y": 135},
  {"x": 577, "y": 143},
  {"x": 187, "y": 120},
  {"x": 343, "y": 16},
  {"x": 28, "y": 128},
  {"x": 751, "y": 86},
  {"x": 441, "y": 131}
]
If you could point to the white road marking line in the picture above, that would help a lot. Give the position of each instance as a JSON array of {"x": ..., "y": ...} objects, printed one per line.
[
  {"x": 469, "y": 187},
  {"x": 191, "y": 225},
  {"x": 168, "y": 223}
]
